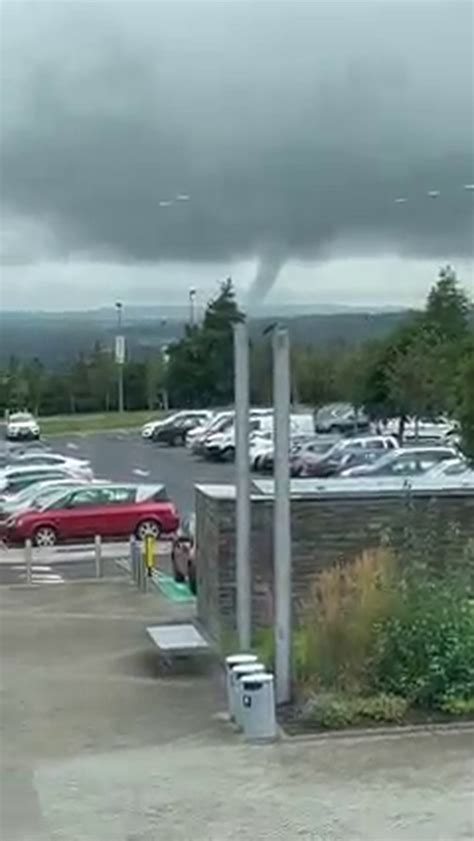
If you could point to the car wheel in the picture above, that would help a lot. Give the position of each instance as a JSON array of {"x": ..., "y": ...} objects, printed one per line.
[
  {"x": 45, "y": 536},
  {"x": 148, "y": 528},
  {"x": 228, "y": 454},
  {"x": 192, "y": 582},
  {"x": 177, "y": 575}
]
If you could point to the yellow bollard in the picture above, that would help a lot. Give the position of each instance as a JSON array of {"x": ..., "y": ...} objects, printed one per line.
[{"x": 149, "y": 554}]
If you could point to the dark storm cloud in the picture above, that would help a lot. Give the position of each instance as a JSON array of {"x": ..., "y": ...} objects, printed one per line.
[{"x": 291, "y": 126}]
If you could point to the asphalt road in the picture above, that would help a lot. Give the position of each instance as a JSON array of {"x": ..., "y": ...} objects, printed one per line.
[{"x": 126, "y": 457}]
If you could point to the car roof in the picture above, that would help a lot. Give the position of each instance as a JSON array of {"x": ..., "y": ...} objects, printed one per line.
[
  {"x": 24, "y": 469},
  {"x": 20, "y": 416}
]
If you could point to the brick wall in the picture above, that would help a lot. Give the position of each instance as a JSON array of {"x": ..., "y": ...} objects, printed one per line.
[{"x": 325, "y": 530}]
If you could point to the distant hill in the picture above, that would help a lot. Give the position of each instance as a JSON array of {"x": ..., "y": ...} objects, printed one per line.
[
  {"x": 347, "y": 328},
  {"x": 57, "y": 338}
]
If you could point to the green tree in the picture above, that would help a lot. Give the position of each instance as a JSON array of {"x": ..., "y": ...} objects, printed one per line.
[
  {"x": 465, "y": 394},
  {"x": 448, "y": 308},
  {"x": 314, "y": 373},
  {"x": 200, "y": 370}
]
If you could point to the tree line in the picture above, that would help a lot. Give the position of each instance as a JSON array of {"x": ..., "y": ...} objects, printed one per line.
[{"x": 424, "y": 368}]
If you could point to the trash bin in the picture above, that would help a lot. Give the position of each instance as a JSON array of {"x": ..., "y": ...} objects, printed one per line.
[
  {"x": 230, "y": 662},
  {"x": 238, "y": 672},
  {"x": 258, "y": 707}
]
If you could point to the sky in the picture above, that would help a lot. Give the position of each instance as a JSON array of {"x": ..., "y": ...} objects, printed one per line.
[{"x": 318, "y": 152}]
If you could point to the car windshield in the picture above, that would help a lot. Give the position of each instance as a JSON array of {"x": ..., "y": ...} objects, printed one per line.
[{"x": 20, "y": 417}]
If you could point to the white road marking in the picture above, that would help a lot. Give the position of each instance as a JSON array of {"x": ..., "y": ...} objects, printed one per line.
[
  {"x": 72, "y": 446},
  {"x": 47, "y": 579},
  {"x": 139, "y": 472},
  {"x": 39, "y": 568}
]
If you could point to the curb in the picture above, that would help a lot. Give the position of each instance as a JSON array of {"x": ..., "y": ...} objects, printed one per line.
[{"x": 395, "y": 732}]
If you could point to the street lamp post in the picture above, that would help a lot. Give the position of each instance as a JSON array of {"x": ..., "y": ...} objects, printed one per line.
[
  {"x": 119, "y": 355},
  {"x": 192, "y": 307}
]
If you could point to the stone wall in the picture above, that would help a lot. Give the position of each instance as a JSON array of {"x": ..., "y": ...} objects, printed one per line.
[{"x": 325, "y": 530}]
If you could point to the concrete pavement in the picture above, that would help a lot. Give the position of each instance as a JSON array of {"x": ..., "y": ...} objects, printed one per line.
[{"x": 101, "y": 744}]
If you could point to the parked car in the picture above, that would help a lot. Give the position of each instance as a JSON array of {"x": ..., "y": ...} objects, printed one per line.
[
  {"x": 174, "y": 432},
  {"x": 450, "y": 467},
  {"x": 79, "y": 467},
  {"x": 221, "y": 445},
  {"x": 329, "y": 463},
  {"x": 316, "y": 447},
  {"x": 341, "y": 417},
  {"x": 15, "y": 479},
  {"x": 183, "y": 554},
  {"x": 149, "y": 428},
  {"x": 424, "y": 430},
  {"x": 196, "y": 438},
  {"x": 36, "y": 493},
  {"x": 410, "y": 461},
  {"x": 261, "y": 445},
  {"x": 112, "y": 510},
  {"x": 22, "y": 426}
]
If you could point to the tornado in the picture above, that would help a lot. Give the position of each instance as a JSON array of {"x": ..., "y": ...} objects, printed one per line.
[{"x": 267, "y": 273}]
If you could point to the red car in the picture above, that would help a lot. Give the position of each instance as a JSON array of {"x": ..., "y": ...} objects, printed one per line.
[{"x": 106, "y": 510}]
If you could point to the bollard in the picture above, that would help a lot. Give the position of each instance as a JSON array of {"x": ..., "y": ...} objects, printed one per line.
[
  {"x": 29, "y": 561},
  {"x": 142, "y": 567},
  {"x": 134, "y": 558},
  {"x": 98, "y": 556},
  {"x": 149, "y": 554}
]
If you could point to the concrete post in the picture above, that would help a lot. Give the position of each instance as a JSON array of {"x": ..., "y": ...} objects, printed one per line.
[
  {"x": 29, "y": 561},
  {"x": 98, "y": 556},
  {"x": 134, "y": 555},
  {"x": 282, "y": 519},
  {"x": 241, "y": 398}
]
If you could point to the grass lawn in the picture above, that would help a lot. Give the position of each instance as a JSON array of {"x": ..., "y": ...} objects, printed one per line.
[{"x": 63, "y": 424}]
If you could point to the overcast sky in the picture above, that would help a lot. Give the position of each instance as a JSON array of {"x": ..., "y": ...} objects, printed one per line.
[{"x": 150, "y": 147}]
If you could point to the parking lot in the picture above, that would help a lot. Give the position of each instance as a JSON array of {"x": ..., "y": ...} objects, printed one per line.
[{"x": 124, "y": 456}]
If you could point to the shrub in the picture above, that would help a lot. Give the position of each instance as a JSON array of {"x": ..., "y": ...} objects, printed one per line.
[
  {"x": 425, "y": 650},
  {"x": 336, "y": 637},
  {"x": 334, "y": 710},
  {"x": 458, "y": 706}
]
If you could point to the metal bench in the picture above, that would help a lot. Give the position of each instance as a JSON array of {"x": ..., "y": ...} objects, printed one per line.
[{"x": 178, "y": 640}]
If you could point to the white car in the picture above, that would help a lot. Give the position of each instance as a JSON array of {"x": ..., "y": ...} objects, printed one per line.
[
  {"x": 409, "y": 461},
  {"x": 439, "y": 429},
  {"x": 196, "y": 437},
  {"x": 149, "y": 428},
  {"x": 79, "y": 468},
  {"x": 221, "y": 446},
  {"x": 14, "y": 479},
  {"x": 22, "y": 426},
  {"x": 260, "y": 446},
  {"x": 450, "y": 467}
]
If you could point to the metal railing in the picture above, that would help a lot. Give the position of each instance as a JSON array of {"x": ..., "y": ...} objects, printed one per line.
[{"x": 33, "y": 565}]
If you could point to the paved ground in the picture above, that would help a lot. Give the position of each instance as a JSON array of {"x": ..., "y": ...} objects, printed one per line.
[
  {"x": 101, "y": 744},
  {"x": 125, "y": 456},
  {"x": 57, "y": 572}
]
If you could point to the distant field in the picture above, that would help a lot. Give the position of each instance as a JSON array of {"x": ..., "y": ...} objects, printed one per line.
[{"x": 60, "y": 424}]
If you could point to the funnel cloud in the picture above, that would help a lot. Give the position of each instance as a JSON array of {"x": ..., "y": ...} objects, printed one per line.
[
  {"x": 267, "y": 273},
  {"x": 292, "y": 123}
]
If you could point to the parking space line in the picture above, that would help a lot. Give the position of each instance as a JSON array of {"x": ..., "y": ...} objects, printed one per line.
[
  {"x": 72, "y": 446},
  {"x": 139, "y": 472}
]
